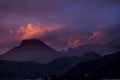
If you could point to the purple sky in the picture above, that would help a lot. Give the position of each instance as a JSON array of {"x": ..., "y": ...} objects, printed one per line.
[{"x": 59, "y": 23}]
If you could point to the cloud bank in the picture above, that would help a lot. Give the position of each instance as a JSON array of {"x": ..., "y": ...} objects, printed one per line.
[
  {"x": 34, "y": 31},
  {"x": 63, "y": 23}
]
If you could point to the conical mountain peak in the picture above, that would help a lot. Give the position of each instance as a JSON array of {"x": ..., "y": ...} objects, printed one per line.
[
  {"x": 31, "y": 50},
  {"x": 32, "y": 42}
]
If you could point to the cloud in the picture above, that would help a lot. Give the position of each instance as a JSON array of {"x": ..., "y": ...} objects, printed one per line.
[
  {"x": 64, "y": 11},
  {"x": 71, "y": 37},
  {"x": 105, "y": 33},
  {"x": 7, "y": 42},
  {"x": 35, "y": 31},
  {"x": 80, "y": 18},
  {"x": 102, "y": 35},
  {"x": 61, "y": 37},
  {"x": 97, "y": 37},
  {"x": 75, "y": 41}
]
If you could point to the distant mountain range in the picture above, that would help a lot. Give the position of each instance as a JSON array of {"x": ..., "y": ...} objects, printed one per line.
[
  {"x": 115, "y": 43},
  {"x": 31, "y": 69},
  {"x": 102, "y": 49},
  {"x": 68, "y": 68},
  {"x": 36, "y": 50},
  {"x": 57, "y": 67},
  {"x": 34, "y": 59}
]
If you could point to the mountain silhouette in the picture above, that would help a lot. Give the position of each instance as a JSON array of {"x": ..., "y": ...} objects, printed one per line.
[
  {"x": 12, "y": 69},
  {"x": 108, "y": 70},
  {"x": 102, "y": 49},
  {"x": 115, "y": 43},
  {"x": 89, "y": 56},
  {"x": 31, "y": 50},
  {"x": 30, "y": 69},
  {"x": 61, "y": 65},
  {"x": 106, "y": 67}
]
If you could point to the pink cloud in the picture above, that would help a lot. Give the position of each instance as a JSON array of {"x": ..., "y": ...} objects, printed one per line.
[
  {"x": 97, "y": 36},
  {"x": 34, "y": 31},
  {"x": 77, "y": 41}
]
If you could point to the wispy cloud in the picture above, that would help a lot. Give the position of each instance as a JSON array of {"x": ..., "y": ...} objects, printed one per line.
[{"x": 35, "y": 31}]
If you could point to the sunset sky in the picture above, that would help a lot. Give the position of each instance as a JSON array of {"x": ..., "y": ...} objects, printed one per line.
[{"x": 59, "y": 23}]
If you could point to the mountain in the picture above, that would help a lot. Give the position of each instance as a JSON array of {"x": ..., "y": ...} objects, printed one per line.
[
  {"x": 109, "y": 70},
  {"x": 115, "y": 43},
  {"x": 31, "y": 50},
  {"x": 97, "y": 48},
  {"x": 12, "y": 69},
  {"x": 83, "y": 68},
  {"x": 61, "y": 65},
  {"x": 106, "y": 67},
  {"x": 89, "y": 56},
  {"x": 31, "y": 69}
]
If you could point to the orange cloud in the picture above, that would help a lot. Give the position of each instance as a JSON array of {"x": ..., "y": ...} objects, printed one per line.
[
  {"x": 34, "y": 31},
  {"x": 97, "y": 37},
  {"x": 74, "y": 42}
]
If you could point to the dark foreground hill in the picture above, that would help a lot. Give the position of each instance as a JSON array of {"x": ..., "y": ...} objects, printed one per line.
[
  {"x": 107, "y": 67},
  {"x": 12, "y": 69},
  {"x": 110, "y": 69},
  {"x": 31, "y": 69}
]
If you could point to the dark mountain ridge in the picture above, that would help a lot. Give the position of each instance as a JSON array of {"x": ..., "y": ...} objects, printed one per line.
[
  {"x": 31, "y": 69},
  {"x": 106, "y": 67}
]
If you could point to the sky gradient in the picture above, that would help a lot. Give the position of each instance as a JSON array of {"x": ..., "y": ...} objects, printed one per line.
[{"x": 59, "y": 23}]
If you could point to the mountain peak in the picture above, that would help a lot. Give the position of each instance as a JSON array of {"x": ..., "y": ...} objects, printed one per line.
[
  {"x": 31, "y": 50},
  {"x": 31, "y": 41},
  {"x": 90, "y": 56}
]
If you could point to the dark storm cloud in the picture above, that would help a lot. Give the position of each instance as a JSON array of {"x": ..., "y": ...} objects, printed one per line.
[
  {"x": 29, "y": 7},
  {"x": 65, "y": 11}
]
